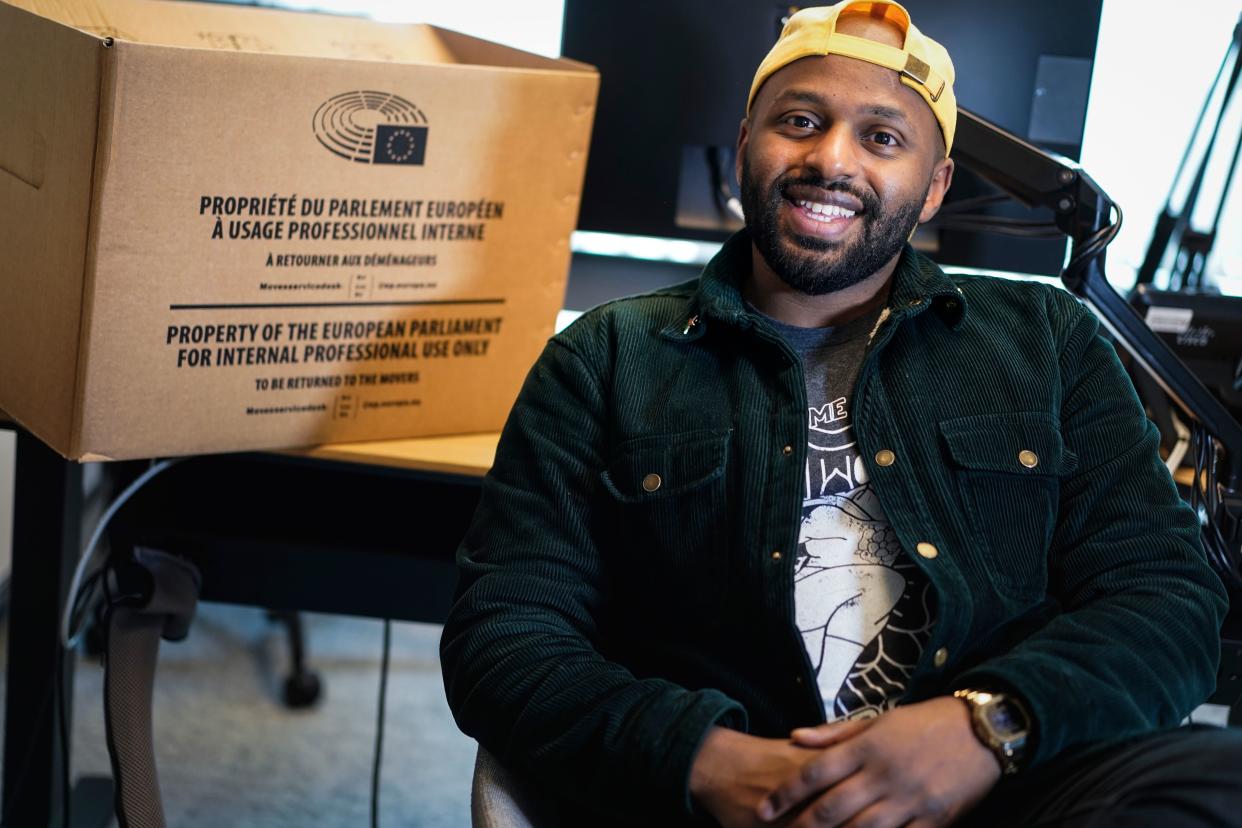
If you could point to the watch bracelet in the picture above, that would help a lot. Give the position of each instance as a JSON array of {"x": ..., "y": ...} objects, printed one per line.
[{"x": 1010, "y": 764}]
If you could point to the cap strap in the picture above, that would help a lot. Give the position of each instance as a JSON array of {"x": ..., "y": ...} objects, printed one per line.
[{"x": 899, "y": 60}]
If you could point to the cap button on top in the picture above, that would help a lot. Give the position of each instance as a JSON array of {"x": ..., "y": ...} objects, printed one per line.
[
  {"x": 885, "y": 457},
  {"x": 1028, "y": 458},
  {"x": 927, "y": 550},
  {"x": 941, "y": 656},
  {"x": 787, "y": 450},
  {"x": 651, "y": 482}
]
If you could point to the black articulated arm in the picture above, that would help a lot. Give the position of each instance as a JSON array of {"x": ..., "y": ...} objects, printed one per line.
[{"x": 1084, "y": 213}]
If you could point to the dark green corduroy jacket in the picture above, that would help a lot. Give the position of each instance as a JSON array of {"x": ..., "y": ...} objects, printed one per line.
[{"x": 603, "y": 623}]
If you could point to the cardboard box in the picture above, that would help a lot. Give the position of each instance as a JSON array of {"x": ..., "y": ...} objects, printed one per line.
[{"x": 229, "y": 228}]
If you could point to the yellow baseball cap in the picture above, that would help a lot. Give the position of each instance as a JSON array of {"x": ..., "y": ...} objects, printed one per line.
[{"x": 923, "y": 64}]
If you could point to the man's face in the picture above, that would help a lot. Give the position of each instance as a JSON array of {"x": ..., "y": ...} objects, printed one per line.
[{"x": 837, "y": 164}]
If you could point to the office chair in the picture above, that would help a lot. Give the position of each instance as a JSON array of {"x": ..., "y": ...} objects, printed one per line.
[{"x": 498, "y": 799}]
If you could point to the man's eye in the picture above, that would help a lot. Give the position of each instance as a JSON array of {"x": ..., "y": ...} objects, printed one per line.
[
  {"x": 884, "y": 139},
  {"x": 800, "y": 122}
]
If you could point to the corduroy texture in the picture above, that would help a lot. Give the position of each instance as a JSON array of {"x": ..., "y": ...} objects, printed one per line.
[{"x": 604, "y": 623}]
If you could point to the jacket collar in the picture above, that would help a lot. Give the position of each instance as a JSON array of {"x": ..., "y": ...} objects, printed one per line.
[{"x": 918, "y": 284}]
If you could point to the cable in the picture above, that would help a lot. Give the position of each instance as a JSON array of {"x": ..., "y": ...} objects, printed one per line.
[
  {"x": 1178, "y": 452},
  {"x": 379, "y": 725},
  {"x": 1204, "y": 499},
  {"x": 78, "y": 590},
  {"x": 1096, "y": 242},
  {"x": 68, "y": 636}
]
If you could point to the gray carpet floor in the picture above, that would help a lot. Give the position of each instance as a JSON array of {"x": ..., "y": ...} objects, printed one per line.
[{"x": 230, "y": 754}]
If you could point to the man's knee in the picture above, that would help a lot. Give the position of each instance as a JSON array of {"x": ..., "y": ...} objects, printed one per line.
[
  {"x": 1185, "y": 777},
  {"x": 1192, "y": 752}
]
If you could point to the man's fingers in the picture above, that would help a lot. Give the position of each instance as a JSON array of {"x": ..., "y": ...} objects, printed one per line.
[
  {"x": 838, "y": 804},
  {"x": 829, "y": 734},
  {"x": 882, "y": 814},
  {"x": 817, "y": 775}
]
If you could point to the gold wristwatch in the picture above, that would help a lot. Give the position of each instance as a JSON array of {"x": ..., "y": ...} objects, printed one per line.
[{"x": 1001, "y": 723}]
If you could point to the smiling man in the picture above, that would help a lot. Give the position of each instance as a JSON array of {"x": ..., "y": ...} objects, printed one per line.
[{"x": 827, "y": 537}]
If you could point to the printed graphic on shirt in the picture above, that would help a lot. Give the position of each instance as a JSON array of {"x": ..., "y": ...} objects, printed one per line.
[{"x": 861, "y": 605}]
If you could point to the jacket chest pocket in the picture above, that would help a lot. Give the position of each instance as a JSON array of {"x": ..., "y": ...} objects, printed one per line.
[
  {"x": 1007, "y": 468},
  {"x": 671, "y": 533}
]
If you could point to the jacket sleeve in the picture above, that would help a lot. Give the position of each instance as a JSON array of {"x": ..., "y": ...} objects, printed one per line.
[
  {"x": 522, "y": 668},
  {"x": 1137, "y": 643}
]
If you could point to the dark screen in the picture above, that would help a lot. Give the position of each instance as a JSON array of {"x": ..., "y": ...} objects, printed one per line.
[{"x": 674, "y": 80}]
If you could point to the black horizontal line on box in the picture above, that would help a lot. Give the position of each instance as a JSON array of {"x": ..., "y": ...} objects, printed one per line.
[{"x": 264, "y": 305}]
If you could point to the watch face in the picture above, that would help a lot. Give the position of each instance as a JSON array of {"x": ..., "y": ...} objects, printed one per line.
[{"x": 1004, "y": 719}]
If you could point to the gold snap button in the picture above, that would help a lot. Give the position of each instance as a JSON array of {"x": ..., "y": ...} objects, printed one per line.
[
  {"x": 1028, "y": 458},
  {"x": 914, "y": 303},
  {"x": 884, "y": 457},
  {"x": 927, "y": 550},
  {"x": 776, "y": 554},
  {"x": 651, "y": 482},
  {"x": 942, "y": 655},
  {"x": 787, "y": 450}
]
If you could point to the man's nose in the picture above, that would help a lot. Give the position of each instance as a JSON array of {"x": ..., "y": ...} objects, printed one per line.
[{"x": 835, "y": 153}]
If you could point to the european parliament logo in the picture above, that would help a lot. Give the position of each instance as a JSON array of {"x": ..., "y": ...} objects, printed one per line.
[{"x": 370, "y": 127}]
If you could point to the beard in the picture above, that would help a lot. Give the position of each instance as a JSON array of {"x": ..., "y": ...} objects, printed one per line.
[{"x": 800, "y": 260}]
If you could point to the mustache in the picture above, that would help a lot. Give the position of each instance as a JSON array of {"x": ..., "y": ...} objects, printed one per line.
[{"x": 870, "y": 203}]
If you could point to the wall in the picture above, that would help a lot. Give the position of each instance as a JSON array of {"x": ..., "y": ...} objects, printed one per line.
[{"x": 1153, "y": 66}]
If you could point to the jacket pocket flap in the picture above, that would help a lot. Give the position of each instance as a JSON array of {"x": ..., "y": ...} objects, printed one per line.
[
  {"x": 1021, "y": 442},
  {"x": 659, "y": 466}
]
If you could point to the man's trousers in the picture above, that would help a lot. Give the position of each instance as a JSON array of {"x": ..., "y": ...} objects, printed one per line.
[{"x": 1186, "y": 777}]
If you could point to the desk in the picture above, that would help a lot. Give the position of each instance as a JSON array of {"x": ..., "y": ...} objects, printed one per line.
[
  {"x": 363, "y": 529},
  {"x": 470, "y": 455}
]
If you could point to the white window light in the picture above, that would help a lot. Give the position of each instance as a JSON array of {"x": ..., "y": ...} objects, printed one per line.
[
  {"x": 648, "y": 248},
  {"x": 532, "y": 25}
]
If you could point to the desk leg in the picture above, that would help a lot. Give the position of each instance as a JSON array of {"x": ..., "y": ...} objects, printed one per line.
[{"x": 46, "y": 540}]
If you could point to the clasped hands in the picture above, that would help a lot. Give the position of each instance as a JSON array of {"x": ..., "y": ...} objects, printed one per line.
[{"x": 916, "y": 766}]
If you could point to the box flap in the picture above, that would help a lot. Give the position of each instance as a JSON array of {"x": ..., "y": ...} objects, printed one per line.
[
  {"x": 274, "y": 31},
  {"x": 49, "y": 92}
]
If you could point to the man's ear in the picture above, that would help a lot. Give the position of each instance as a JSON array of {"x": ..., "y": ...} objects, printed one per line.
[
  {"x": 743, "y": 137},
  {"x": 942, "y": 177}
]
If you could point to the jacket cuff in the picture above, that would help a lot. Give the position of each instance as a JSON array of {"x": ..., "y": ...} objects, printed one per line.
[{"x": 684, "y": 738}]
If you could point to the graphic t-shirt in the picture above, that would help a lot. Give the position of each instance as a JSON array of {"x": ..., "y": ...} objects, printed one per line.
[{"x": 864, "y": 607}]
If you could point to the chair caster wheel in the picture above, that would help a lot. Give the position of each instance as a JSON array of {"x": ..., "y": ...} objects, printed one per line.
[{"x": 302, "y": 690}]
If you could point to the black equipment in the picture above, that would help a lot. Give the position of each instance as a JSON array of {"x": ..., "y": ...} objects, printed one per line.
[
  {"x": 1084, "y": 213},
  {"x": 1205, "y": 331},
  {"x": 1173, "y": 239}
]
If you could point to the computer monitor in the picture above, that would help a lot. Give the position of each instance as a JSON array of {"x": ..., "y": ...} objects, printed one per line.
[{"x": 674, "y": 79}]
